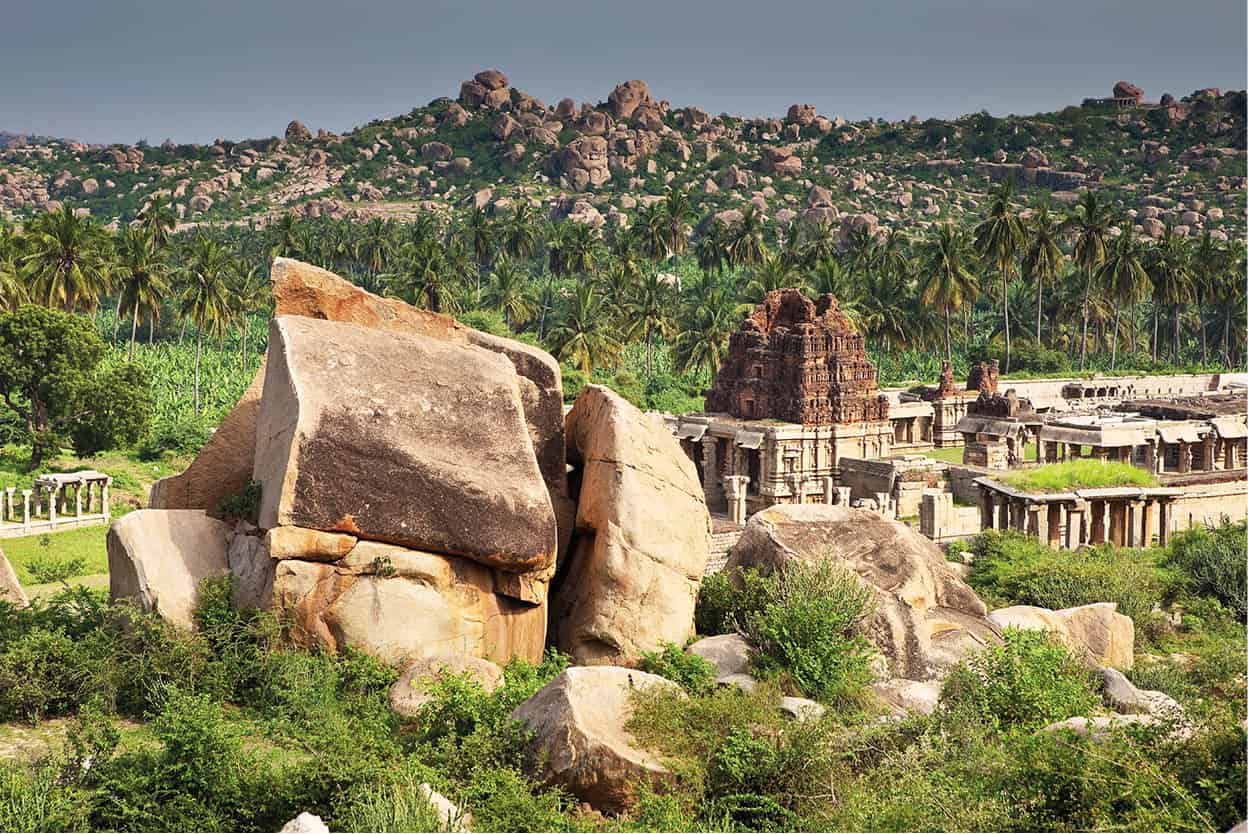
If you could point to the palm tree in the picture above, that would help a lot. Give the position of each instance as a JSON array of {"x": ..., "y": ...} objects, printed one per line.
[
  {"x": 509, "y": 292},
  {"x": 583, "y": 337},
  {"x": 158, "y": 220},
  {"x": 375, "y": 247},
  {"x": 774, "y": 272},
  {"x": 998, "y": 239},
  {"x": 947, "y": 278},
  {"x": 1123, "y": 276},
  {"x": 1042, "y": 257},
  {"x": 12, "y": 286},
  {"x": 1209, "y": 261},
  {"x": 142, "y": 270},
  {"x": 205, "y": 296},
  {"x": 819, "y": 242},
  {"x": 678, "y": 212},
  {"x": 67, "y": 260},
  {"x": 708, "y": 319},
  {"x": 285, "y": 237},
  {"x": 519, "y": 232},
  {"x": 1090, "y": 224},
  {"x": 249, "y": 292},
  {"x": 652, "y": 231},
  {"x": 746, "y": 246},
  {"x": 422, "y": 276},
  {"x": 1169, "y": 269},
  {"x": 646, "y": 310},
  {"x": 479, "y": 234},
  {"x": 712, "y": 248}
]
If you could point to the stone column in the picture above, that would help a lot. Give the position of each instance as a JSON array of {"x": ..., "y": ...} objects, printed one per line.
[
  {"x": 78, "y": 500},
  {"x": 711, "y": 485},
  {"x": 1054, "y": 527},
  {"x": 1163, "y": 522},
  {"x": 1003, "y": 513},
  {"x": 986, "y": 510},
  {"x": 1185, "y": 457},
  {"x": 26, "y": 508},
  {"x": 1097, "y": 509},
  {"x": 885, "y": 503},
  {"x": 108, "y": 511},
  {"x": 1074, "y": 526},
  {"x": 1033, "y": 520},
  {"x": 1146, "y": 523},
  {"x": 735, "y": 490},
  {"x": 1117, "y": 522}
]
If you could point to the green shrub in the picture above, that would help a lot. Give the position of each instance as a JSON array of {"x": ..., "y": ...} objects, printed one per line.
[
  {"x": 32, "y": 800},
  {"x": 727, "y": 599},
  {"x": 1213, "y": 562},
  {"x": 1028, "y": 682},
  {"x": 46, "y": 569},
  {"x": 695, "y": 674},
  {"x": 1011, "y": 568},
  {"x": 395, "y": 804},
  {"x": 181, "y": 436},
  {"x": 809, "y": 626},
  {"x": 244, "y": 505}
]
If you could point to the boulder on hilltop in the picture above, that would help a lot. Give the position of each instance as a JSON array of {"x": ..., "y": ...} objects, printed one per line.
[
  {"x": 297, "y": 131},
  {"x": 627, "y": 97}
]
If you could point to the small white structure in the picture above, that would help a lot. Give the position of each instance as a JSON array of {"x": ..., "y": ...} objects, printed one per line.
[{"x": 58, "y": 500}]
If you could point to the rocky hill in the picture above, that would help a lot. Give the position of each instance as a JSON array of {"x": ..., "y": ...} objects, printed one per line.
[{"x": 1180, "y": 161}]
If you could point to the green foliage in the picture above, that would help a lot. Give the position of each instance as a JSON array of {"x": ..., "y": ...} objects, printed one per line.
[
  {"x": 808, "y": 626},
  {"x": 1213, "y": 562},
  {"x": 1078, "y": 474},
  {"x": 1028, "y": 682},
  {"x": 52, "y": 377},
  {"x": 184, "y": 435},
  {"x": 487, "y": 321},
  {"x": 695, "y": 674},
  {"x": 395, "y": 804},
  {"x": 726, "y": 600},
  {"x": 47, "y": 569},
  {"x": 243, "y": 505},
  {"x": 1011, "y": 568}
]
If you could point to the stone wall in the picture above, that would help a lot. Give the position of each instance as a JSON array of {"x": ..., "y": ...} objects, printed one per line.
[{"x": 941, "y": 520}]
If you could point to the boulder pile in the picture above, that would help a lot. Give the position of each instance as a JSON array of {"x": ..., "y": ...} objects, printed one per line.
[{"x": 413, "y": 497}]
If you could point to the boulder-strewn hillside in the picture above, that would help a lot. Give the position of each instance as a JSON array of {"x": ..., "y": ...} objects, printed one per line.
[{"x": 1178, "y": 160}]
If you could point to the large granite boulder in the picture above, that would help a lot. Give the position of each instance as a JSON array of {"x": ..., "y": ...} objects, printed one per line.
[
  {"x": 580, "y": 741},
  {"x": 399, "y": 605},
  {"x": 10, "y": 588},
  {"x": 411, "y": 691},
  {"x": 627, "y": 97},
  {"x": 381, "y": 435},
  {"x": 926, "y": 619},
  {"x": 642, "y": 535},
  {"x": 158, "y": 557},
  {"x": 1096, "y": 634},
  {"x": 225, "y": 465}
]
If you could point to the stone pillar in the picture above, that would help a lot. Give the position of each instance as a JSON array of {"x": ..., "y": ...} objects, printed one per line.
[
  {"x": 78, "y": 500},
  {"x": 1074, "y": 526},
  {"x": 1117, "y": 522},
  {"x": 885, "y": 503},
  {"x": 735, "y": 491},
  {"x": 1033, "y": 520},
  {"x": 1018, "y": 514},
  {"x": 1207, "y": 449},
  {"x": 108, "y": 511},
  {"x": 1185, "y": 457},
  {"x": 1054, "y": 526},
  {"x": 1146, "y": 523},
  {"x": 1163, "y": 522},
  {"x": 52, "y": 496},
  {"x": 986, "y": 510},
  {"x": 712, "y": 487},
  {"x": 1097, "y": 510},
  {"x": 1050, "y": 451},
  {"x": 26, "y": 508},
  {"x": 1003, "y": 513},
  {"x": 829, "y": 490}
]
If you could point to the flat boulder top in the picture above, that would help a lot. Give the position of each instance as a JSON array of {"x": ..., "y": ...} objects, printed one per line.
[{"x": 400, "y": 438}]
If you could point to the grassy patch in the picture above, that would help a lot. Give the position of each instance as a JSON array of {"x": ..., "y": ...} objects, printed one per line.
[
  {"x": 948, "y": 454},
  {"x": 1078, "y": 474},
  {"x": 85, "y": 543}
]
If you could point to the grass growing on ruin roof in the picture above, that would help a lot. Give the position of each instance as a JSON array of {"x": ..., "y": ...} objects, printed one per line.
[{"x": 1078, "y": 474}]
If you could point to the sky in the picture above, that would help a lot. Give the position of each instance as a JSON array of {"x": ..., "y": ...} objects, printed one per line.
[{"x": 124, "y": 70}]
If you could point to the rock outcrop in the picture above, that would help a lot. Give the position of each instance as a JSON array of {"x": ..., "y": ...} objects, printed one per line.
[
  {"x": 926, "y": 619},
  {"x": 410, "y": 692},
  {"x": 579, "y": 738},
  {"x": 158, "y": 557},
  {"x": 1097, "y": 634},
  {"x": 627, "y": 97},
  {"x": 642, "y": 536},
  {"x": 382, "y": 436}
]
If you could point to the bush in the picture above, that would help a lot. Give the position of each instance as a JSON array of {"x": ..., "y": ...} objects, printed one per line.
[
  {"x": 695, "y": 674},
  {"x": 1029, "y": 682},
  {"x": 808, "y": 627},
  {"x": 1011, "y": 568},
  {"x": 396, "y": 804},
  {"x": 244, "y": 505},
  {"x": 184, "y": 436},
  {"x": 1213, "y": 563},
  {"x": 726, "y": 599}
]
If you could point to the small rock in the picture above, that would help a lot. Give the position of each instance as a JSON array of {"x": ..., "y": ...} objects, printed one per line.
[
  {"x": 305, "y": 823},
  {"x": 803, "y": 709},
  {"x": 408, "y": 694}
]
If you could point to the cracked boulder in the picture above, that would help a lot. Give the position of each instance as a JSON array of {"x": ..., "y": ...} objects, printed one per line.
[
  {"x": 926, "y": 619},
  {"x": 384, "y": 436},
  {"x": 642, "y": 535}
]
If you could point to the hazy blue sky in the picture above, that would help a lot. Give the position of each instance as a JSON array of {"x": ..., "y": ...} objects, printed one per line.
[{"x": 121, "y": 70}]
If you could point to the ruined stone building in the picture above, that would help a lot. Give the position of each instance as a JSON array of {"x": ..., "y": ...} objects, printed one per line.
[{"x": 794, "y": 395}]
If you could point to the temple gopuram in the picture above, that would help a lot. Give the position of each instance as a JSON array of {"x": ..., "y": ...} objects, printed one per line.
[{"x": 795, "y": 394}]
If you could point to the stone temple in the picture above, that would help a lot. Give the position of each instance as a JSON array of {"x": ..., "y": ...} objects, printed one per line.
[{"x": 795, "y": 394}]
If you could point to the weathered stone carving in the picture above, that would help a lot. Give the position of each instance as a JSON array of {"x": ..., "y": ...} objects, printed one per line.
[{"x": 800, "y": 361}]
